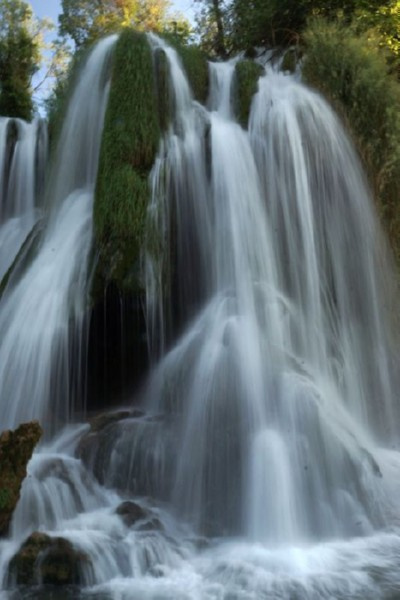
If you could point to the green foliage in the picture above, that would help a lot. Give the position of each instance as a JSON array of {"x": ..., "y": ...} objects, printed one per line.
[
  {"x": 289, "y": 61},
  {"x": 247, "y": 74},
  {"x": 212, "y": 24},
  {"x": 353, "y": 74},
  {"x": 19, "y": 58},
  {"x": 162, "y": 75},
  {"x": 195, "y": 64},
  {"x": 129, "y": 145},
  {"x": 281, "y": 22}
]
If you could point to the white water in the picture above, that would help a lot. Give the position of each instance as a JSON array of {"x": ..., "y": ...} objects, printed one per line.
[
  {"x": 22, "y": 166},
  {"x": 275, "y": 382},
  {"x": 275, "y": 395}
]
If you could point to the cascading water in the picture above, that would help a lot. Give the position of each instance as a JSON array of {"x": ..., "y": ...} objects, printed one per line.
[
  {"x": 270, "y": 424},
  {"x": 41, "y": 306},
  {"x": 22, "y": 166},
  {"x": 275, "y": 382}
]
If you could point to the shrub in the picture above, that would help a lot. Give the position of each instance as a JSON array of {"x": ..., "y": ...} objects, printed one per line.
[{"x": 352, "y": 72}]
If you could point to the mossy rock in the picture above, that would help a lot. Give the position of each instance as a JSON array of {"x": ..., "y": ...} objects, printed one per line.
[
  {"x": 196, "y": 67},
  {"x": 290, "y": 60},
  {"x": 16, "y": 449},
  {"x": 162, "y": 75},
  {"x": 131, "y": 512},
  {"x": 130, "y": 141},
  {"x": 47, "y": 560},
  {"x": 247, "y": 74}
]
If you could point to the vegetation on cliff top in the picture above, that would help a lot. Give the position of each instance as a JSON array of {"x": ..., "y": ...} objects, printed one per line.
[{"x": 352, "y": 72}]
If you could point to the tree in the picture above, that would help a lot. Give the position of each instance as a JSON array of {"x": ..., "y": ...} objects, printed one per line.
[
  {"x": 280, "y": 22},
  {"x": 212, "y": 24},
  {"x": 19, "y": 58},
  {"x": 87, "y": 20}
]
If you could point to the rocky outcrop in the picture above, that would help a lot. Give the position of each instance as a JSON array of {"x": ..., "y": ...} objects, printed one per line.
[
  {"x": 46, "y": 560},
  {"x": 134, "y": 515},
  {"x": 16, "y": 449},
  {"x": 134, "y": 454},
  {"x": 131, "y": 512}
]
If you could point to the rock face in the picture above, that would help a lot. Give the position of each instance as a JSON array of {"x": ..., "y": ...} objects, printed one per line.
[
  {"x": 16, "y": 448},
  {"x": 131, "y": 513},
  {"x": 134, "y": 454},
  {"x": 101, "y": 421},
  {"x": 45, "y": 560}
]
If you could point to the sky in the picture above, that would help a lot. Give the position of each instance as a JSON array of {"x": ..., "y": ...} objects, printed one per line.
[{"x": 51, "y": 8}]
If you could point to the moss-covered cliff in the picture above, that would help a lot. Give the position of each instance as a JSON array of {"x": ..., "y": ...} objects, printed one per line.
[
  {"x": 195, "y": 63},
  {"x": 129, "y": 145},
  {"x": 247, "y": 74}
]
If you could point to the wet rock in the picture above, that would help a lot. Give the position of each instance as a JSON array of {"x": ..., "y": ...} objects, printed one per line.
[
  {"x": 130, "y": 512},
  {"x": 16, "y": 449},
  {"x": 134, "y": 455},
  {"x": 47, "y": 560},
  {"x": 101, "y": 421}
]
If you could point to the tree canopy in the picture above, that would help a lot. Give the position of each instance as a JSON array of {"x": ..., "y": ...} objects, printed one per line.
[
  {"x": 19, "y": 58},
  {"x": 236, "y": 25},
  {"x": 86, "y": 20},
  {"x": 279, "y": 22}
]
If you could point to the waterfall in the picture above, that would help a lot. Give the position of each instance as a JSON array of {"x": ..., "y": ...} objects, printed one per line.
[
  {"x": 42, "y": 310},
  {"x": 275, "y": 380},
  {"x": 264, "y": 464},
  {"x": 23, "y": 155}
]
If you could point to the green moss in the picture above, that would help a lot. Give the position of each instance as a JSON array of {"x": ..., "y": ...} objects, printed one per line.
[
  {"x": 130, "y": 140},
  {"x": 353, "y": 74},
  {"x": 195, "y": 63},
  {"x": 247, "y": 74},
  {"x": 162, "y": 76},
  {"x": 196, "y": 66},
  {"x": 289, "y": 61}
]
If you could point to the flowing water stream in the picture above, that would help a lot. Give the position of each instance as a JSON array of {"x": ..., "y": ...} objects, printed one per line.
[{"x": 266, "y": 459}]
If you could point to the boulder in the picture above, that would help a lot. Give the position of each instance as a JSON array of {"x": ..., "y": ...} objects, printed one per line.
[
  {"x": 46, "y": 560},
  {"x": 16, "y": 449},
  {"x": 134, "y": 455},
  {"x": 130, "y": 513}
]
